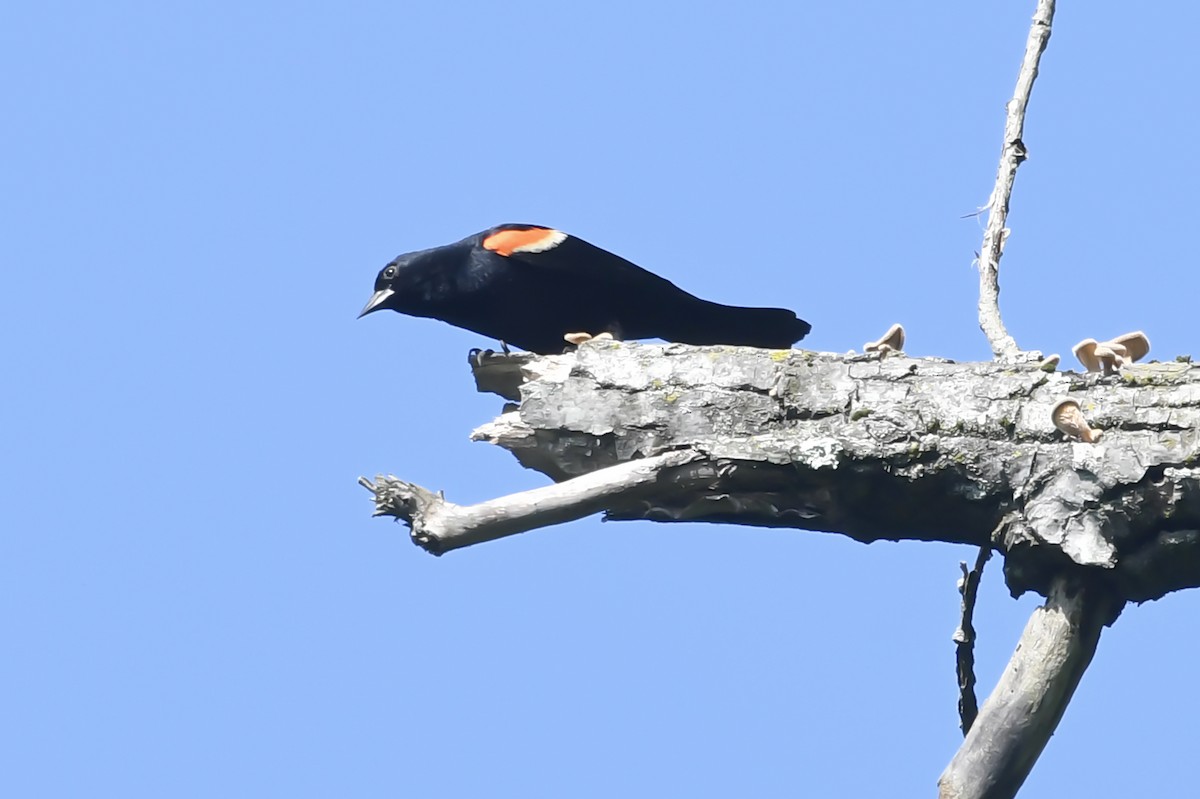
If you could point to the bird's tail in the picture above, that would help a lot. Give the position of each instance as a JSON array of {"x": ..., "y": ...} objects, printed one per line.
[{"x": 712, "y": 323}]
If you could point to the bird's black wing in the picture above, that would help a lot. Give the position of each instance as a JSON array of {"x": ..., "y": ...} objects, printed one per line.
[
  {"x": 564, "y": 256},
  {"x": 640, "y": 303}
]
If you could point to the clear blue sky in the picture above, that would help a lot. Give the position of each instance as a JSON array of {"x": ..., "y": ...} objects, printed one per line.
[{"x": 194, "y": 599}]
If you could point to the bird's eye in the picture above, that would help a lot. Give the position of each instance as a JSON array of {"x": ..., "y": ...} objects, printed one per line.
[{"x": 390, "y": 272}]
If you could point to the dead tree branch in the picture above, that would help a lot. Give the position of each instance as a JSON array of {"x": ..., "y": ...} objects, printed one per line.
[
  {"x": 439, "y": 526},
  {"x": 872, "y": 448},
  {"x": 1011, "y": 155},
  {"x": 1023, "y": 711},
  {"x": 893, "y": 448}
]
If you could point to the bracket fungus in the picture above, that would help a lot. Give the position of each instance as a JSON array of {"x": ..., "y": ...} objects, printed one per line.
[
  {"x": 1068, "y": 417},
  {"x": 1109, "y": 356},
  {"x": 892, "y": 341},
  {"x": 582, "y": 338}
]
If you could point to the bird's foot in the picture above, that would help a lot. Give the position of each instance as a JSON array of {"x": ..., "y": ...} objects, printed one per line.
[{"x": 477, "y": 357}]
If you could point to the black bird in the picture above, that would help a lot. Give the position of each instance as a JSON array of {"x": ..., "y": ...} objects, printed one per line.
[{"x": 530, "y": 286}]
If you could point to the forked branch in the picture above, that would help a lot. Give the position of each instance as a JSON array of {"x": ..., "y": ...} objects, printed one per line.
[{"x": 1024, "y": 709}]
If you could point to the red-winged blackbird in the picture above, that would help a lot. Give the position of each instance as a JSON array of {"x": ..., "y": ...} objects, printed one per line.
[{"x": 529, "y": 286}]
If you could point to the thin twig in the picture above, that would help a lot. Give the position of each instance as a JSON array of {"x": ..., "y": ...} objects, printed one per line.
[
  {"x": 1013, "y": 153},
  {"x": 964, "y": 640}
]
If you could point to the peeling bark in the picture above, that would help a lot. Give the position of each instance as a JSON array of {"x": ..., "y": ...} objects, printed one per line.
[
  {"x": 893, "y": 448},
  {"x": 871, "y": 448}
]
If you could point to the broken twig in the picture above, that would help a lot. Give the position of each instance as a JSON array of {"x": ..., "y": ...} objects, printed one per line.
[
  {"x": 439, "y": 526},
  {"x": 964, "y": 640}
]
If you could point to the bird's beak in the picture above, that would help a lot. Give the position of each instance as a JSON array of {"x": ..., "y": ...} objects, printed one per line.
[{"x": 377, "y": 299}]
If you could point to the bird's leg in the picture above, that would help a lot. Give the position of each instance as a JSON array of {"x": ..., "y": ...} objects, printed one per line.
[{"x": 504, "y": 347}]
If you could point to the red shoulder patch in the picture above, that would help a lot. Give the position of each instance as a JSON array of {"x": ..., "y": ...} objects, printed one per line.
[{"x": 533, "y": 239}]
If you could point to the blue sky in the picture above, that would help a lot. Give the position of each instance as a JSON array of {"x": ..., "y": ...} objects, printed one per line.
[{"x": 195, "y": 599}]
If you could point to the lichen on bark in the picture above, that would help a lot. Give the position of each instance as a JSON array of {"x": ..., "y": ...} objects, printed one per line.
[{"x": 882, "y": 448}]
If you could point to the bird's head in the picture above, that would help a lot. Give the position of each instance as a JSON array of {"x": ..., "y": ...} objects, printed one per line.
[
  {"x": 414, "y": 283},
  {"x": 388, "y": 285}
]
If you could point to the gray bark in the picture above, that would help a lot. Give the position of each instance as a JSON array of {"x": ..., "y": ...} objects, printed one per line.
[
  {"x": 439, "y": 526},
  {"x": 893, "y": 448},
  {"x": 871, "y": 448},
  {"x": 1024, "y": 709}
]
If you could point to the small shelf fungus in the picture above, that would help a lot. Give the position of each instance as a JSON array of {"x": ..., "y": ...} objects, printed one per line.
[
  {"x": 583, "y": 338},
  {"x": 1109, "y": 356},
  {"x": 1068, "y": 417},
  {"x": 892, "y": 341}
]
